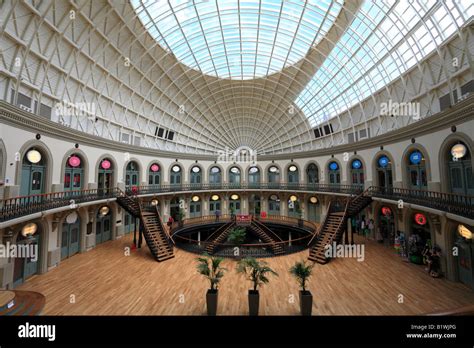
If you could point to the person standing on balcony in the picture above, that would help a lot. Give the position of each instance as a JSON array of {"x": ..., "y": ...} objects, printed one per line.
[{"x": 218, "y": 214}]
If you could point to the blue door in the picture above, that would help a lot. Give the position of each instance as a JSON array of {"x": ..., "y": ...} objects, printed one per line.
[
  {"x": 32, "y": 180},
  {"x": 70, "y": 239},
  {"x": 25, "y": 267},
  {"x": 103, "y": 229}
]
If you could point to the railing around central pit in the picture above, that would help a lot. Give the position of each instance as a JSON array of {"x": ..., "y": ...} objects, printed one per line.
[{"x": 245, "y": 250}]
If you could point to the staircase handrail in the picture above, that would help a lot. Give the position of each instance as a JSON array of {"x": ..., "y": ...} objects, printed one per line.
[
  {"x": 166, "y": 230},
  {"x": 221, "y": 228},
  {"x": 322, "y": 225},
  {"x": 266, "y": 229}
]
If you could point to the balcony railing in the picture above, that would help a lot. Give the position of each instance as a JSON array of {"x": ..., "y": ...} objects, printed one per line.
[
  {"x": 451, "y": 203},
  {"x": 20, "y": 206}
]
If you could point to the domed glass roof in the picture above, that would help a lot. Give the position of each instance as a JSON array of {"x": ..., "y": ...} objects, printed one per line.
[{"x": 238, "y": 39}]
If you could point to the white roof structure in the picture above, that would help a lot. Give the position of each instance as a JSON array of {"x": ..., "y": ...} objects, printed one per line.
[{"x": 204, "y": 76}]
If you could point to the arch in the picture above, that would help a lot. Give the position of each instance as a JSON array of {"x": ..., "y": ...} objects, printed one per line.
[
  {"x": 140, "y": 169},
  {"x": 43, "y": 241},
  {"x": 82, "y": 230},
  {"x": 45, "y": 151},
  {"x": 260, "y": 174},
  {"x": 375, "y": 166},
  {"x": 327, "y": 171},
  {"x": 114, "y": 167},
  {"x": 405, "y": 160},
  {"x": 349, "y": 168},
  {"x": 287, "y": 172},
  {"x": 266, "y": 176},
  {"x": 223, "y": 172},
  {"x": 445, "y": 148},
  {"x": 306, "y": 167},
  {"x": 147, "y": 171},
  {"x": 242, "y": 172},
  {"x": 183, "y": 172},
  {"x": 202, "y": 172},
  {"x": 85, "y": 165}
]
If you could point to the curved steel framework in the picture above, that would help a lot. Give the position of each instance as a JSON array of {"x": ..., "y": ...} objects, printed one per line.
[{"x": 124, "y": 70}]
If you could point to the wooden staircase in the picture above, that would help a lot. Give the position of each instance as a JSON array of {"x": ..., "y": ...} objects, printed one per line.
[
  {"x": 218, "y": 236},
  {"x": 156, "y": 236},
  {"x": 334, "y": 225},
  {"x": 130, "y": 204},
  {"x": 267, "y": 236}
]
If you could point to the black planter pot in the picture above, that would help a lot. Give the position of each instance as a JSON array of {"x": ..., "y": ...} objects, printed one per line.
[
  {"x": 306, "y": 303},
  {"x": 254, "y": 299},
  {"x": 211, "y": 301}
]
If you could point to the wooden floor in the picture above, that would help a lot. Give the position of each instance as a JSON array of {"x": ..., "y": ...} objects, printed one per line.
[{"x": 105, "y": 281}]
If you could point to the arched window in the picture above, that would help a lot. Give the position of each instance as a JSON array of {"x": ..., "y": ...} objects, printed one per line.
[
  {"x": 154, "y": 174},
  {"x": 215, "y": 176},
  {"x": 293, "y": 175},
  {"x": 314, "y": 209},
  {"x": 254, "y": 177},
  {"x": 103, "y": 225},
  {"x": 33, "y": 173},
  {"x": 25, "y": 267},
  {"x": 294, "y": 209},
  {"x": 175, "y": 176},
  {"x": 384, "y": 172},
  {"x": 460, "y": 176},
  {"x": 416, "y": 168},
  {"x": 175, "y": 208},
  {"x": 273, "y": 176},
  {"x": 234, "y": 175},
  {"x": 214, "y": 204},
  {"x": 132, "y": 175},
  {"x": 70, "y": 235},
  {"x": 195, "y": 207},
  {"x": 334, "y": 173},
  {"x": 274, "y": 205},
  {"x": 312, "y": 174},
  {"x": 234, "y": 204},
  {"x": 73, "y": 173},
  {"x": 196, "y": 175},
  {"x": 357, "y": 173},
  {"x": 105, "y": 180},
  {"x": 255, "y": 204}
]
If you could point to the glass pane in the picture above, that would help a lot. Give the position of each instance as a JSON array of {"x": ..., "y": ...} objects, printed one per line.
[{"x": 67, "y": 180}]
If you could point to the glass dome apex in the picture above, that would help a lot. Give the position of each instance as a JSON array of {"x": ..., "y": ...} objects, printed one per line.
[{"x": 237, "y": 39}]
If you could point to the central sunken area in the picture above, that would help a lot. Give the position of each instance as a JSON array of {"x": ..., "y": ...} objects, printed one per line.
[{"x": 254, "y": 238}]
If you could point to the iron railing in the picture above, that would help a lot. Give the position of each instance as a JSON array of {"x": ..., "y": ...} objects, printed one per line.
[{"x": 20, "y": 206}]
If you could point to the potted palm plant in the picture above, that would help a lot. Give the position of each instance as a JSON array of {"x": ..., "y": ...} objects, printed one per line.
[
  {"x": 237, "y": 235},
  {"x": 210, "y": 268},
  {"x": 302, "y": 272},
  {"x": 257, "y": 272}
]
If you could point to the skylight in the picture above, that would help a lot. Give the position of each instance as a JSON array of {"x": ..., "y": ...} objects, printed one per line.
[
  {"x": 385, "y": 40},
  {"x": 238, "y": 39}
]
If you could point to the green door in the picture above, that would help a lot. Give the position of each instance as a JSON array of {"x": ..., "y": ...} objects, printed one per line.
[
  {"x": 103, "y": 229},
  {"x": 73, "y": 178},
  {"x": 129, "y": 225},
  {"x": 234, "y": 205},
  {"x": 32, "y": 180},
  {"x": 70, "y": 239},
  {"x": 25, "y": 267},
  {"x": 195, "y": 209}
]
